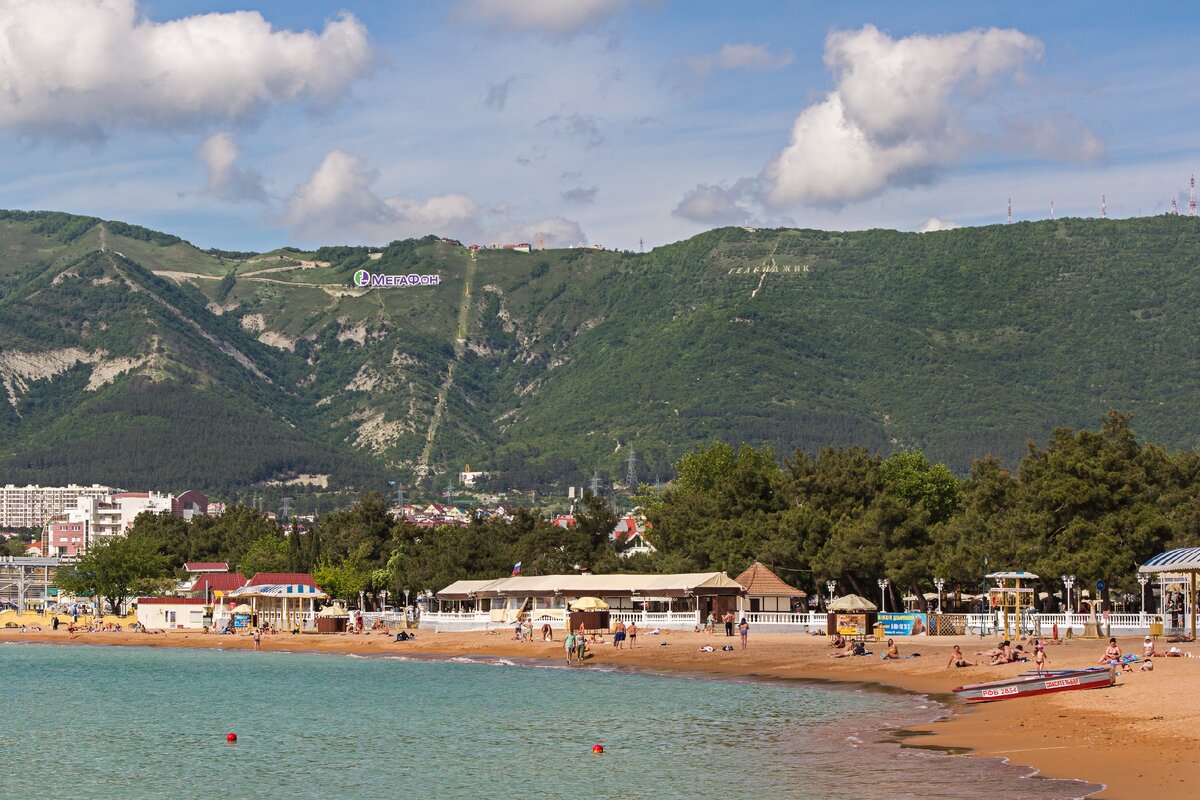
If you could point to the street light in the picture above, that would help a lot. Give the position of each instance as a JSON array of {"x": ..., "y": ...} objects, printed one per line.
[
  {"x": 940, "y": 584},
  {"x": 1068, "y": 581},
  {"x": 1143, "y": 580},
  {"x": 883, "y": 584},
  {"x": 831, "y": 585}
]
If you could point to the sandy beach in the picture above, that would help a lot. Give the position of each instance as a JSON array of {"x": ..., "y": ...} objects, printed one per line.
[{"x": 1136, "y": 738}]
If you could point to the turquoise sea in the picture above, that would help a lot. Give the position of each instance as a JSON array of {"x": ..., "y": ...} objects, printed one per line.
[{"x": 128, "y": 722}]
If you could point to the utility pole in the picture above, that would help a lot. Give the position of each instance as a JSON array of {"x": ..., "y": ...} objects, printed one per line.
[
  {"x": 631, "y": 470},
  {"x": 285, "y": 508},
  {"x": 595, "y": 483}
]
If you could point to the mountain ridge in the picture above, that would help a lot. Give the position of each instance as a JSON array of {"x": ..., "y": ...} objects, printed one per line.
[{"x": 548, "y": 366}]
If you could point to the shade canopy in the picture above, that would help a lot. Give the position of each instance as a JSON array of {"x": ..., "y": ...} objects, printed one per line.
[
  {"x": 589, "y": 604},
  {"x": 1019, "y": 575},
  {"x": 852, "y": 602},
  {"x": 623, "y": 585},
  {"x": 1179, "y": 560},
  {"x": 243, "y": 609}
]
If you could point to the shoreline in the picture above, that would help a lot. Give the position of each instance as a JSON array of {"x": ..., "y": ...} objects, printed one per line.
[{"x": 1131, "y": 738}]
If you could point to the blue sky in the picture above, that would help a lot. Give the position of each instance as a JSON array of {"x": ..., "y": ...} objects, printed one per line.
[{"x": 595, "y": 121}]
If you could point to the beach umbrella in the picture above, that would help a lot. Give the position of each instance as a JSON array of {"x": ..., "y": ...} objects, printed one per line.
[
  {"x": 589, "y": 604},
  {"x": 852, "y": 602}
]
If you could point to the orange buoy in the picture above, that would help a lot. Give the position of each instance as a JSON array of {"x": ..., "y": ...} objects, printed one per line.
[
  {"x": 231, "y": 737},
  {"x": 597, "y": 749}
]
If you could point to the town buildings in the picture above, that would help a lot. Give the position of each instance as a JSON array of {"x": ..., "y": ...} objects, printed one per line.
[{"x": 32, "y": 506}]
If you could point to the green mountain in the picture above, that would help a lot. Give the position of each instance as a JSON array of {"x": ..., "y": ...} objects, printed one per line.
[{"x": 129, "y": 356}]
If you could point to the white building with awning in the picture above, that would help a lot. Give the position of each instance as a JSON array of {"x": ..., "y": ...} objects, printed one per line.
[
  {"x": 286, "y": 607},
  {"x": 679, "y": 600}
]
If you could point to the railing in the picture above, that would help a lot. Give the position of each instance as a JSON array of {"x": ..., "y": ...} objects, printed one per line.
[{"x": 806, "y": 619}]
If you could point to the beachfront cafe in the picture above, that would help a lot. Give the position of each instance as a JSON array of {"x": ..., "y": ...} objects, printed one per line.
[
  {"x": 284, "y": 607},
  {"x": 1175, "y": 571},
  {"x": 678, "y": 601}
]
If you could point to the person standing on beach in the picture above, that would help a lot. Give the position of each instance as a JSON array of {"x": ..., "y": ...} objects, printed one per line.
[
  {"x": 631, "y": 632},
  {"x": 619, "y": 635},
  {"x": 580, "y": 646},
  {"x": 710, "y": 623},
  {"x": 257, "y": 638},
  {"x": 743, "y": 630},
  {"x": 569, "y": 646},
  {"x": 728, "y": 620}
]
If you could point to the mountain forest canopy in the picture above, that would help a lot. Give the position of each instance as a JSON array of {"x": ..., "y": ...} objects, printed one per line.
[{"x": 130, "y": 357}]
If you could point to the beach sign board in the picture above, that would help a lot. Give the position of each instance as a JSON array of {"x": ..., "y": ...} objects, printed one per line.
[{"x": 903, "y": 623}]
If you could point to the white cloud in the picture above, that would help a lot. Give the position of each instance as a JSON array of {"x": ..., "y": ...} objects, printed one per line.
[
  {"x": 337, "y": 203},
  {"x": 219, "y": 154},
  {"x": 937, "y": 224},
  {"x": 898, "y": 116},
  {"x": 720, "y": 205},
  {"x": 78, "y": 68},
  {"x": 560, "y": 19}
]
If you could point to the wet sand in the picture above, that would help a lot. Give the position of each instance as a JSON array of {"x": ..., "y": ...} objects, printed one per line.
[{"x": 1135, "y": 738}]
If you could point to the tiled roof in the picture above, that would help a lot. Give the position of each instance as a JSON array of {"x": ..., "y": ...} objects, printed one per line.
[
  {"x": 267, "y": 578},
  {"x": 760, "y": 581},
  {"x": 218, "y": 582},
  {"x": 206, "y": 566},
  {"x": 171, "y": 601}
]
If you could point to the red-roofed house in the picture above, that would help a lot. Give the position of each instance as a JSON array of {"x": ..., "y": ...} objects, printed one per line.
[
  {"x": 210, "y": 583},
  {"x": 630, "y": 532},
  {"x": 282, "y": 578}
]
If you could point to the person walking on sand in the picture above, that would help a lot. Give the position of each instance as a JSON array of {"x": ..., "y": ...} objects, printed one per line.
[
  {"x": 569, "y": 646},
  {"x": 631, "y": 633},
  {"x": 743, "y": 630},
  {"x": 580, "y": 646},
  {"x": 619, "y": 635},
  {"x": 257, "y": 638},
  {"x": 728, "y": 620}
]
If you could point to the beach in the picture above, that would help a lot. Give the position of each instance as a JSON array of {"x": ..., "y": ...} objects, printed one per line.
[{"x": 1134, "y": 738}]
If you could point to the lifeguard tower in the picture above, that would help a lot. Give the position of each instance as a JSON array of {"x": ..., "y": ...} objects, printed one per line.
[{"x": 1009, "y": 595}]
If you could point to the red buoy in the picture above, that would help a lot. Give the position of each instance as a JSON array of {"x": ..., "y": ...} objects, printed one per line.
[
  {"x": 231, "y": 737},
  {"x": 597, "y": 749}
]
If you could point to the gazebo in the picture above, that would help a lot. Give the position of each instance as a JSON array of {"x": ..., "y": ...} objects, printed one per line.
[
  {"x": 285, "y": 606},
  {"x": 766, "y": 591},
  {"x": 1180, "y": 561}
]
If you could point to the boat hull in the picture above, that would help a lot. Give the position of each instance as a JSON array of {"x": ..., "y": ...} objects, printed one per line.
[{"x": 1036, "y": 685}]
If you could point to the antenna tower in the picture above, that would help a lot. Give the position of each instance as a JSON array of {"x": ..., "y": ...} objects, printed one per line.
[
  {"x": 595, "y": 483},
  {"x": 631, "y": 470},
  {"x": 449, "y": 494},
  {"x": 641, "y": 245},
  {"x": 1103, "y": 208},
  {"x": 1174, "y": 208},
  {"x": 287, "y": 507},
  {"x": 1051, "y": 209},
  {"x": 1009, "y": 212},
  {"x": 1192, "y": 199}
]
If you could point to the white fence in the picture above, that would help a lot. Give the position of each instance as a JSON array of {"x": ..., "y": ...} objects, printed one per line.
[{"x": 976, "y": 624}]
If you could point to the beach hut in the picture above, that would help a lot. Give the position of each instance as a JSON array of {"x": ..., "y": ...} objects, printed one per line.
[
  {"x": 242, "y": 616},
  {"x": 333, "y": 618},
  {"x": 766, "y": 591},
  {"x": 590, "y": 612},
  {"x": 851, "y": 615}
]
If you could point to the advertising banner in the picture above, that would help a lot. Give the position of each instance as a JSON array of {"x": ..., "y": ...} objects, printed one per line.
[{"x": 906, "y": 624}]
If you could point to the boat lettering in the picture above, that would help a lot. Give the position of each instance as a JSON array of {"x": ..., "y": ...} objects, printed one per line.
[
  {"x": 999, "y": 692},
  {"x": 1061, "y": 682}
]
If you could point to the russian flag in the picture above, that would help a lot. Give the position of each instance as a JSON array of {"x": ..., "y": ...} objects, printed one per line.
[{"x": 517, "y": 568}]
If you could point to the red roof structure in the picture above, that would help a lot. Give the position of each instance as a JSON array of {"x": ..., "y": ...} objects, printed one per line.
[
  {"x": 224, "y": 582},
  {"x": 206, "y": 566},
  {"x": 760, "y": 581},
  {"x": 172, "y": 601},
  {"x": 271, "y": 578}
]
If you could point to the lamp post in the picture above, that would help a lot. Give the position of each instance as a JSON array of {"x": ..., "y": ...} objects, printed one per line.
[
  {"x": 940, "y": 583},
  {"x": 1143, "y": 580},
  {"x": 831, "y": 585},
  {"x": 1068, "y": 581},
  {"x": 883, "y": 584}
]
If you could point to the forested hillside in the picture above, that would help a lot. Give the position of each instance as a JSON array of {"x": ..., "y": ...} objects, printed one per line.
[{"x": 131, "y": 357}]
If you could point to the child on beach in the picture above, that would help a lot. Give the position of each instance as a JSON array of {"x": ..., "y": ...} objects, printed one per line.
[{"x": 1040, "y": 659}]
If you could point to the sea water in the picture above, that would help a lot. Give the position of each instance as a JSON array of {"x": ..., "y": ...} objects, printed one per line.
[{"x": 130, "y": 722}]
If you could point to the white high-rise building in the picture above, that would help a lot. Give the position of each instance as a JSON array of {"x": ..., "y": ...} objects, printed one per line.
[{"x": 33, "y": 506}]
